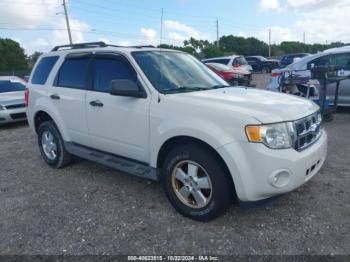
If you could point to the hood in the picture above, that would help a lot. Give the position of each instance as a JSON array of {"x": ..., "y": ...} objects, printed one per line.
[
  {"x": 11, "y": 98},
  {"x": 264, "y": 106}
]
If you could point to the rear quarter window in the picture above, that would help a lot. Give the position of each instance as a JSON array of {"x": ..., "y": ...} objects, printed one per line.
[{"x": 43, "y": 69}]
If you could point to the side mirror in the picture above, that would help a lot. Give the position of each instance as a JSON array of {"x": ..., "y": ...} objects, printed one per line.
[{"x": 126, "y": 87}]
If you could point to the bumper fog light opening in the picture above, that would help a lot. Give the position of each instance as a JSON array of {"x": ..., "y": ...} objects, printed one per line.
[{"x": 280, "y": 178}]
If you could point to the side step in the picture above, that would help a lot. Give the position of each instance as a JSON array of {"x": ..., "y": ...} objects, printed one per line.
[{"x": 119, "y": 163}]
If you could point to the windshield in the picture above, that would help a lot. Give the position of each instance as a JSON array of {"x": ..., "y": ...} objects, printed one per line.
[
  {"x": 173, "y": 72},
  {"x": 8, "y": 86}
]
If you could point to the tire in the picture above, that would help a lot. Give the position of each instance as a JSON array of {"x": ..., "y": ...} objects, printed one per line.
[
  {"x": 327, "y": 116},
  {"x": 222, "y": 189},
  {"x": 48, "y": 131}
]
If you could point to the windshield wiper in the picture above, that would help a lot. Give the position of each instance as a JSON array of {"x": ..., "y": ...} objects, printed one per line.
[
  {"x": 186, "y": 89},
  {"x": 220, "y": 86}
]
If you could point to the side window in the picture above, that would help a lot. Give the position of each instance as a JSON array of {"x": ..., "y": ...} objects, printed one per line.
[
  {"x": 108, "y": 69},
  {"x": 342, "y": 60},
  {"x": 219, "y": 61},
  {"x": 321, "y": 61},
  {"x": 73, "y": 73},
  {"x": 43, "y": 69}
]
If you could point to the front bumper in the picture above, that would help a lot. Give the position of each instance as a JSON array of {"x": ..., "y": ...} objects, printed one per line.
[
  {"x": 12, "y": 115},
  {"x": 259, "y": 172}
]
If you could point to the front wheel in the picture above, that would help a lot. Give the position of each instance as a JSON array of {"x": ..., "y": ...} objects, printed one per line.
[{"x": 197, "y": 183}]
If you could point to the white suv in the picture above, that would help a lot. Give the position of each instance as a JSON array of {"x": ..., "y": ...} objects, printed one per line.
[{"x": 163, "y": 115}]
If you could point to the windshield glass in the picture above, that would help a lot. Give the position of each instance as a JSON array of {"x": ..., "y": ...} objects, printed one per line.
[
  {"x": 8, "y": 86},
  {"x": 173, "y": 72}
]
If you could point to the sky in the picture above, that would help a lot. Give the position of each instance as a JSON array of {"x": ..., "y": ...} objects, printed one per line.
[{"x": 38, "y": 25}]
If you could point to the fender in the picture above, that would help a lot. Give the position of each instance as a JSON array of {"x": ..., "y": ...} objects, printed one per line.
[
  {"x": 45, "y": 105},
  {"x": 203, "y": 130}
]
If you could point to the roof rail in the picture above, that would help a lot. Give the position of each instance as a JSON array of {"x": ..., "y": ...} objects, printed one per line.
[{"x": 80, "y": 45}]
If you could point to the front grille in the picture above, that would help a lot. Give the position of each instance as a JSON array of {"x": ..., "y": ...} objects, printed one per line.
[
  {"x": 18, "y": 116},
  {"x": 307, "y": 131},
  {"x": 15, "y": 106}
]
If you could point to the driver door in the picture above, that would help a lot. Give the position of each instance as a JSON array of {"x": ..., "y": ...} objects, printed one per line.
[{"x": 117, "y": 124}]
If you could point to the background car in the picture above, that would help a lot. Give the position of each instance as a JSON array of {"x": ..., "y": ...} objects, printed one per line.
[
  {"x": 331, "y": 57},
  {"x": 232, "y": 76},
  {"x": 262, "y": 64},
  {"x": 235, "y": 61},
  {"x": 12, "y": 106},
  {"x": 289, "y": 59}
]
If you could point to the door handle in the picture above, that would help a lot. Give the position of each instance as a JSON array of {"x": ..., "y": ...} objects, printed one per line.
[
  {"x": 55, "y": 96},
  {"x": 97, "y": 103}
]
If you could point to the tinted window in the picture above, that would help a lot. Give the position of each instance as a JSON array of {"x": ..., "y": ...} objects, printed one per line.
[
  {"x": 8, "y": 86},
  {"x": 43, "y": 69},
  {"x": 108, "y": 69},
  {"x": 342, "y": 60},
  {"x": 73, "y": 73},
  {"x": 322, "y": 61},
  {"x": 220, "y": 61}
]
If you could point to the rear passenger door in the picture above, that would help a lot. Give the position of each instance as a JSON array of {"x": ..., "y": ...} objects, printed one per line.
[
  {"x": 69, "y": 93},
  {"x": 117, "y": 124}
]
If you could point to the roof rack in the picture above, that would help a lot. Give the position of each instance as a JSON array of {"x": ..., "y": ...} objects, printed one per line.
[
  {"x": 95, "y": 44},
  {"x": 80, "y": 45}
]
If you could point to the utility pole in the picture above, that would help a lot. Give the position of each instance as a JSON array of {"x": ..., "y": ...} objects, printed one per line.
[
  {"x": 269, "y": 42},
  {"x": 67, "y": 22},
  {"x": 217, "y": 32},
  {"x": 304, "y": 38},
  {"x": 161, "y": 27}
]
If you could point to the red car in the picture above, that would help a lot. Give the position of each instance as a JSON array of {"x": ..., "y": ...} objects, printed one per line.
[{"x": 232, "y": 76}]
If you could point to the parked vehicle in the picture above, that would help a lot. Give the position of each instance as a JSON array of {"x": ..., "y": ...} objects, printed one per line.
[
  {"x": 234, "y": 77},
  {"x": 163, "y": 115},
  {"x": 262, "y": 64},
  {"x": 12, "y": 107},
  {"x": 235, "y": 61},
  {"x": 290, "y": 58},
  {"x": 336, "y": 57}
]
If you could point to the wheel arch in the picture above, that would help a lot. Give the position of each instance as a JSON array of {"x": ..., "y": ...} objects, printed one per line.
[
  {"x": 43, "y": 115},
  {"x": 172, "y": 142}
]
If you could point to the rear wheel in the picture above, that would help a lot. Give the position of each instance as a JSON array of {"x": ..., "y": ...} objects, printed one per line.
[
  {"x": 51, "y": 145},
  {"x": 197, "y": 183}
]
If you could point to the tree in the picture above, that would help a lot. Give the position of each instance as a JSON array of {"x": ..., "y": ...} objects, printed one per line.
[
  {"x": 12, "y": 55},
  {"x": 33, "y": 58}
]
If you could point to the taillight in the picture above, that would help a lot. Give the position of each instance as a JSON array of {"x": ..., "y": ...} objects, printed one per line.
[
  {"x": 275, "y": 74},
  {"x": 236, "y": 65},
  {"x": 26, "y": 97}
]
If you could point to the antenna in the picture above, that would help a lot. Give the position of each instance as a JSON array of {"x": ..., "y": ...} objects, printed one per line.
[{"x": 161, "y": 27}]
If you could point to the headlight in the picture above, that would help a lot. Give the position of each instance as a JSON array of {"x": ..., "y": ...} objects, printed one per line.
[
  {"x": 2, "y": 107},
  {"x": 276, "y": 136}
]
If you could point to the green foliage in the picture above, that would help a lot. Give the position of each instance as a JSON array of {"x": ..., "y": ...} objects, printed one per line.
[
  {"x": 12, "y": 56},
  {"x": 33, "y": 58},
  {"x": 244, "y": 46},
  {"x": 231, "y": 44},
  {"x": 187, "y": 49}
]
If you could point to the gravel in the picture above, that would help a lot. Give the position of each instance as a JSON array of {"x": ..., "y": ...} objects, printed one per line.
[{"x": 90, "y": 209}]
